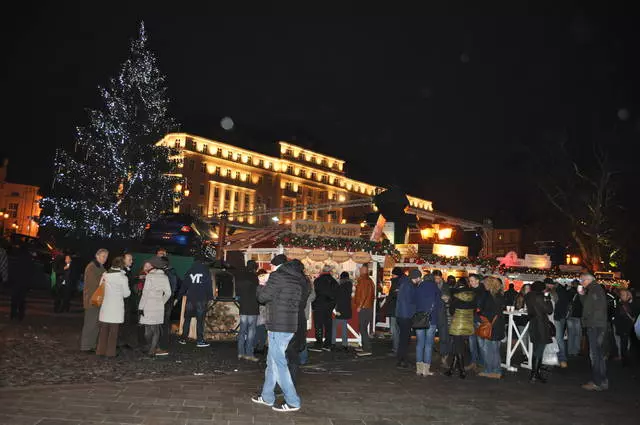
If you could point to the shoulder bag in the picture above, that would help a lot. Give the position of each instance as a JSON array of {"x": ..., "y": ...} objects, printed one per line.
[
  {"x": 485, "y": 328},
  {"x": 98, "y": 296},
  {"x": 422, "y": 319}
]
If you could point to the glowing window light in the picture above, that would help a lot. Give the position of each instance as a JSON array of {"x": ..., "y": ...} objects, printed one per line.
[
  {"x": 295, "y": 187},
  {"x": 318, "y": 160},
  {"x": 349, "y": 186},
  {"x": 445, "y": 233},
  {"x": 297, "y": 171},
  {"x": 225, "y": 153},
  {"x": 342, "y": 198},
  {"x": 332, "y": 179},
  {"x": 213, "y": 150},
  {"x": 427, "y": 233},
  {"x": 296, "y": 153},
  {"x": 267, "y": 164},
  {"x": 283, "y": 184},
  {"x": 235, "y": 156},
  {"x": 211, "y": 169},
  {"x": 245, "y": 158}
]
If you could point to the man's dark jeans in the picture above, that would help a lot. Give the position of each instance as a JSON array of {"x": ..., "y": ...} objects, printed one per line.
[
  {"x": 199, "y": 311},
  {"x": 323, "y": 324},
  {"x": 596, "y": 338}
]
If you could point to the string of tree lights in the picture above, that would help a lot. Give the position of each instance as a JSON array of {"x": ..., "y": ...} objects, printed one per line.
[{"x": 116, "y": 179}]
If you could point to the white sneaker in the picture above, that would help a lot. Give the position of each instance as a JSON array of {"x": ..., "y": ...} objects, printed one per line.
[
  {"x": 285, "y": 408},
  {"x": 259, "y": 400}
]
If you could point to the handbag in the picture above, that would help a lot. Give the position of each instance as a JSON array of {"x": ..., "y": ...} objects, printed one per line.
[
  {"x": 98, "y": 296},
  {"x": 421, "y": 320},
  {"x": 485, "y": 328}
]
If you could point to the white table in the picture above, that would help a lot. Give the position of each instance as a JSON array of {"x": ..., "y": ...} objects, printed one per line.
[{"x": 520, "y": 342}]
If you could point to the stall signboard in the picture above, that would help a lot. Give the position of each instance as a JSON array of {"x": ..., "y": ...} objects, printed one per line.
[
  {"x": 361, "y": 257},
  {"x": 295, "y": 253},
  {"x": 340, "y": 256},
  {"x": 450, "y": 250},
  {"x": 318, "y": 255},
  {"x": 328, "y": 230}
]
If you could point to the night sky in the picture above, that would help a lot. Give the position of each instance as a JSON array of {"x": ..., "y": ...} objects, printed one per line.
[{"x": 443, "y": 105}]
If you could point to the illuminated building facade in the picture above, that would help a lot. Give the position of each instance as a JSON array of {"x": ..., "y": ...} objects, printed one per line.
[
  {"x": 19, "y": 206},
  {"x": 221, "y": 177}
]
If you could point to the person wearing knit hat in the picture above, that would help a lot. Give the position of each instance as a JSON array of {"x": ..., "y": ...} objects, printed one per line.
[
  {"x": 392, "y": 300},
  {"x": 415, "y": 274}
]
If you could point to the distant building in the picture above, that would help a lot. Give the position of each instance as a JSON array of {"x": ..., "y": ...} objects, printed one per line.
[
  {"x": 19, "y": 206},
  {"x": 506, "y": 240},
  {"x": 222, "y": 177}
]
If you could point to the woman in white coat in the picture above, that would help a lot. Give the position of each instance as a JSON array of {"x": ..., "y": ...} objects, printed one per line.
[
  {"x": 116, "y": 289},
  {"x": 156, "y": 292}
]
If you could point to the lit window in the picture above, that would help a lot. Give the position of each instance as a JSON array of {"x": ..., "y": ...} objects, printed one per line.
[
  {"x": 202, "y": 189},
  {"x": 216, "y": 192},
  {"x": 203, "y": 167},
  {"x": 12, "y": 209}
]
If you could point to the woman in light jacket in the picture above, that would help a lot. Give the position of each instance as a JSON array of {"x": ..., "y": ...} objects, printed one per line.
[
  {"x": 116, "y": 289},
  {"x": 155, "y": 294}
]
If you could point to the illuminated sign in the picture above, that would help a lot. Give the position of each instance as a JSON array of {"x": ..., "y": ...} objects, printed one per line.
[
  {"x": 332, "y": 230},
  {"x": 450, "y": 250}
]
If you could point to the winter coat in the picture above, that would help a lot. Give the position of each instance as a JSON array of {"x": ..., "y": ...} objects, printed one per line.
[
  {"x": 538, "y": 310},
  {"x": 299, "y": 340},
  {"x": 427, "y": 300},
  {"x": 116, "y": 289},
  {"x": 463, "y": 304},
  {"x": 197, "y": 285},
  {"x": 490, "y": 307},
  {"x": 246, "y": 287},
  {"x": 626, "y": 315},
  {"x": 92, "y": 274},
  {"x": 406, "y": 306},
  {"x": 282, "y": 295},
  {"x": 343, "y": 300},
  {"x": 392, "y": 299},
  {"x": 561, "y": 307},
  {"x": 594, "y": 306},
  {"x": 326, "y": 292},
  {"x": 156, "y": 292},
  {"x": 365, "y": 292}
]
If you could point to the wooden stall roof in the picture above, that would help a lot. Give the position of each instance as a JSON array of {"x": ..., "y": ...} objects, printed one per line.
[{"x": 244, "y": 240}]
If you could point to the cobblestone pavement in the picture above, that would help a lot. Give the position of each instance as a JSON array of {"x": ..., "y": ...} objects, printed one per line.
[{"x": 335, "y": 390}]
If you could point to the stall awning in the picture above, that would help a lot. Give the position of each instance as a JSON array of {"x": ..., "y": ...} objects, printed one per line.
[{"x": 244, "y": 240}]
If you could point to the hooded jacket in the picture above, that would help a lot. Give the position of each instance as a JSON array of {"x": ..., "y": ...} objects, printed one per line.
[
  {"x": 326, "y": 291},
  {"x": 406, "y": 305},
  {"x": 282, "y": 296}
]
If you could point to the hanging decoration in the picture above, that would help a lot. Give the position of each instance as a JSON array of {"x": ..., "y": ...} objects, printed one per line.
[{"x": 337, "y": 244}]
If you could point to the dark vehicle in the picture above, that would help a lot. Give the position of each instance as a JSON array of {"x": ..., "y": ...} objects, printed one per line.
[
  {"x": 42, "y": 252},
  {"x": 180, "y": 234}
]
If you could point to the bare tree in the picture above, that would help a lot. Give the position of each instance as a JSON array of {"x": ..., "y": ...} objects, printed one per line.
[{"x": 583, "y": 192}]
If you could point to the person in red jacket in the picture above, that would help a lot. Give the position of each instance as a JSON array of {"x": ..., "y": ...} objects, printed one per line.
[{"x": 365, "y": 292}]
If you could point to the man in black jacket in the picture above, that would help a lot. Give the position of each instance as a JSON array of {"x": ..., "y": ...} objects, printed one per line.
[
  {"x": 299, "y": 340},
  {"x": 594, "y": 319},
  {"x": 392, "y": 300},
  {"x": 343, "y": 309},
  {"x": 325, "y": 286},
  {"x": 246, "y": 286},
  {"x": 282, "y": 296}
]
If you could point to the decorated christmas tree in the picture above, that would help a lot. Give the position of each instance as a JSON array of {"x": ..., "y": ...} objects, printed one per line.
[{"x": 115, "y": 180}]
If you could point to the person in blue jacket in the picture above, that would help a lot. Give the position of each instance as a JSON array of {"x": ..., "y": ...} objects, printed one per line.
[
  {"x": 198, "y": 288},
  {"x": 427, "y": 299},
  {"x": 405, "y": 309}
]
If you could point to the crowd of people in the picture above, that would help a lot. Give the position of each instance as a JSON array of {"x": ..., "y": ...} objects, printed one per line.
[{"x": 462, "y": 319}]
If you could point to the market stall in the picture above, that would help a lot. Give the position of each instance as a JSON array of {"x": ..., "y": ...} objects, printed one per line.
[{"x": 316, "y": 247}]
